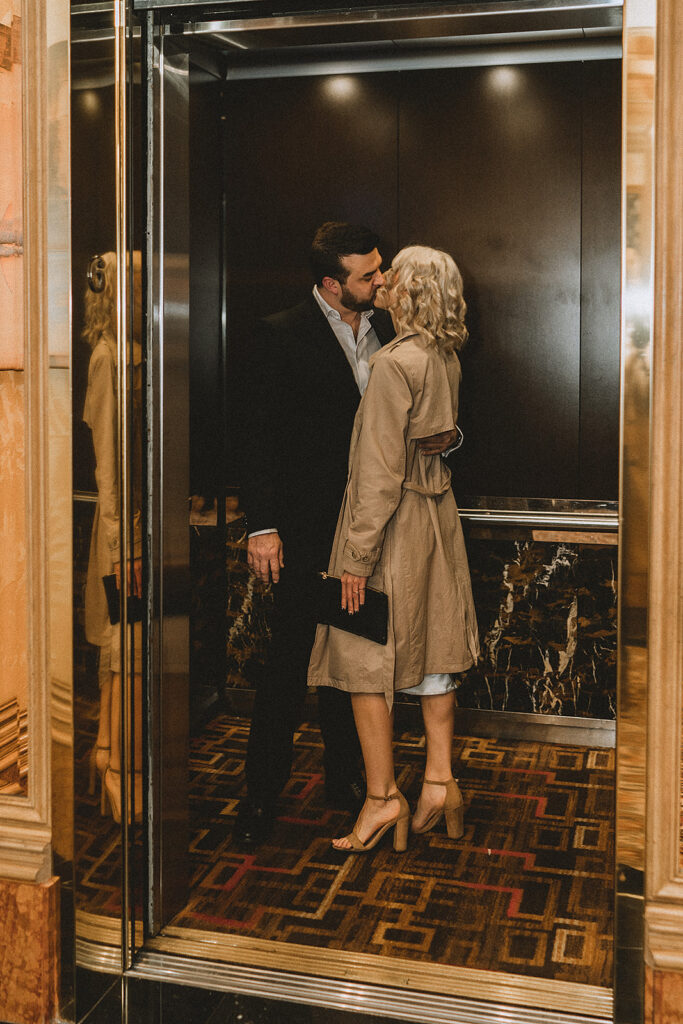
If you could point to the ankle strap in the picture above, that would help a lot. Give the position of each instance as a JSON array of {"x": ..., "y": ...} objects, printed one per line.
[
  {"x": 433, "y": 782},
  {"x": 384, "y": 799}
]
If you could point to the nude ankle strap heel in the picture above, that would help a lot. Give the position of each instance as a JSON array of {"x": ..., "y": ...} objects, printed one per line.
[
  {"x": 453, "y": 810},
  {"x": 399, "y": 825}
]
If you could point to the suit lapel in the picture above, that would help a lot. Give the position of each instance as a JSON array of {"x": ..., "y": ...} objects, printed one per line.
[
  {"x": 326, "y": 353},
  {"x": 327, "y": 349}
]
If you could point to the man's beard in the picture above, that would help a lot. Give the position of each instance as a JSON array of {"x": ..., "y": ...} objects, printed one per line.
[{"x": 349, "y": 301}]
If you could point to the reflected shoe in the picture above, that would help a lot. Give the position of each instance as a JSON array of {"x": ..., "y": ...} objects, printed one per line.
[
  {"x": 346, "y": 793},
  {"x": 453, "y": 810},
  {"x": 254, "y": 823},
  {"x": 111, "y": 789},
  {"x": 399, "y": 825}
]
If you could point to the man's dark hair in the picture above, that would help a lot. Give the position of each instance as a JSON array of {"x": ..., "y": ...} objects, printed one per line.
[{"x": 334, "y": 240}]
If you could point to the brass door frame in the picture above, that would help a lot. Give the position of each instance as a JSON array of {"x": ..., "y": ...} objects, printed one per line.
[{"x": 246, "y": 967}]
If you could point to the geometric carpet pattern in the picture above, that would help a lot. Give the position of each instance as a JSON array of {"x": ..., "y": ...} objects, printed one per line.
[{"x": 527, "y": 890}]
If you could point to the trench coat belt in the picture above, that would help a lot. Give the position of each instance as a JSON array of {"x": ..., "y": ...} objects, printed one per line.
[{"x": 429, "y": 492}]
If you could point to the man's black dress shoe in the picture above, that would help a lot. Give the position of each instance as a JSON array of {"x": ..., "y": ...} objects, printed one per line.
[
  {"x": 254, "y": 823},
  {"x": 345, "y": 793}
]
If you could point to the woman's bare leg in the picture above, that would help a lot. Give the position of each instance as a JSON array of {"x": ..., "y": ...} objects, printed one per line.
[
  {"x": 438, "y": 712},
  {"x": 104, "y": 721},
  {"x": 112, "y": 779},
  {"x": 375, "y": 725},
  {"x": 115, "y": 758},
  {"x": 115, "y": 718}
]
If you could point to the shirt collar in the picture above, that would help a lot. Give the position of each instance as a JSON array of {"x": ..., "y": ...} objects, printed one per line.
[{"x": 330, "y": 312}]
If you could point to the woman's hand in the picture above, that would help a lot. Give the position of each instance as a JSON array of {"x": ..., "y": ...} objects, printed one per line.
[{"x": 352, "y": 592}]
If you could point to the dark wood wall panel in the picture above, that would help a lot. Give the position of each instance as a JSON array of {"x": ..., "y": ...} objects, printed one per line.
[
  {"x": 600, "y": 282},
  {"x": 206, "y": 365},
  {"x": 515, "y": 170},
  {"x": 490, "y": 169},
  {"x": 300, "y": 151}
]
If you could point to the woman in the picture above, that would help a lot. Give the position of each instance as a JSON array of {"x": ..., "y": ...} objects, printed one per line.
[
  {"x": 100, "y": 413},
  {"x": 399, "y": 531}
]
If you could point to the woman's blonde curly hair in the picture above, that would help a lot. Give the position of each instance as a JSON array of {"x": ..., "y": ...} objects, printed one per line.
[
  {"x": 100, "y": 306},
  {"x": 424, "y": 294}
]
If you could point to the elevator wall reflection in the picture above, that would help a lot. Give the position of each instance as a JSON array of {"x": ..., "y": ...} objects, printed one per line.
[{"x": 516, "y": 171}]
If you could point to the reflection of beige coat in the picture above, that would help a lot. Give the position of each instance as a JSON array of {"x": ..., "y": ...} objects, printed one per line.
[
  {"x": 399, "y": 526},
  {"x": 100, "y": 413}
]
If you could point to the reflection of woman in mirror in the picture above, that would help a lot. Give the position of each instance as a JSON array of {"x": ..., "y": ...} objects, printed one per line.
[
  {"x": 399, "y": 532},
  {"x": 100, "y": 413}
]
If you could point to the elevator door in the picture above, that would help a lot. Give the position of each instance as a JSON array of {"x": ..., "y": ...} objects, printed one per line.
[{"x": 538, "y": 392}]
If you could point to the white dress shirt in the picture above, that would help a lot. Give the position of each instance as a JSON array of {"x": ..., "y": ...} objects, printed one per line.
[{"x": 357, "y": 350}]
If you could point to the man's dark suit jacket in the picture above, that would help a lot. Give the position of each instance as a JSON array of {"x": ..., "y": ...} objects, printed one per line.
[{"x": 299, "y": 402}]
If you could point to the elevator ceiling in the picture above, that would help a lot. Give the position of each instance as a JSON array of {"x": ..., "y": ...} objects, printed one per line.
[
  {"x": 247, "y": 38},
  {"x": 386, "y": 31}
]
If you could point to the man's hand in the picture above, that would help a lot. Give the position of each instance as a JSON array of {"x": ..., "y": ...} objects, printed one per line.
[
  {"x": 352, "y": 592},
  {"x": 134, "y": 577},
  {"x": 435, "y": 444},
  {"x": 264, "y": 555}
]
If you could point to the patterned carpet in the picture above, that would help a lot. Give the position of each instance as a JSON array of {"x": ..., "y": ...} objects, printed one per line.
[{"x": 527, "y": 890}]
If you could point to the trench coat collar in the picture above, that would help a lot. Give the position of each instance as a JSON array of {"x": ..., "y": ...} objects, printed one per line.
[{"x": 393, "y": 344}]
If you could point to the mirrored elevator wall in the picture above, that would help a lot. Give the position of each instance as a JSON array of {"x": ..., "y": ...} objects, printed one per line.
[{"x": 516, "y": 171}]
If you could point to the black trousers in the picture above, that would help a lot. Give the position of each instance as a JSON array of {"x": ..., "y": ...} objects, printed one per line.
[{"x": 280, "y": 694}]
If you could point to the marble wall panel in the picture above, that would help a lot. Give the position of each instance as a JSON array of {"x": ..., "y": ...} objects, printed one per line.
[
  {"x": 663, "y": 996},
  {"x": 547, "y": 626},
  {"x": 29, "y": 960},
  {"x": 546, "y": 611},
  {"x": 248, "y": 608},
  {"x": 229, "y": 628}
]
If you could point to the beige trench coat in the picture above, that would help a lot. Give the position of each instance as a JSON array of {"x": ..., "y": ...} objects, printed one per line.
[
  {"x": 399, "y": 526},
  {"x": 100, "y": 412}
]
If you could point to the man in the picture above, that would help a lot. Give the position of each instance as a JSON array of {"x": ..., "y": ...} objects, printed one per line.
[{"x": 305, "y": 373}]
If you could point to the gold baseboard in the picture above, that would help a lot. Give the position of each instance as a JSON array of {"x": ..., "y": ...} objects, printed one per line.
[
  {"x": 516, "y": 990},
  {"x": 464, "y": 982}
]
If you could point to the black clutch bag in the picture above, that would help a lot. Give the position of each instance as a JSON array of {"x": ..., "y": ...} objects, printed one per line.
[
  {"x": 112, "y": 592},
  {"x": 370, "y": 621}
]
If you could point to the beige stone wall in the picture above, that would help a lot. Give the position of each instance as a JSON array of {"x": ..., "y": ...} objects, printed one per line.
[
  {"x": 13, "y": 610},
  {"x": 13, "y": 634},
  {"x": 11, "y": 188}
]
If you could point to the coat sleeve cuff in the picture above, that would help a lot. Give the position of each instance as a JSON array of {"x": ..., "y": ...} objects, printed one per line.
[{"x": 359, "y": 562}]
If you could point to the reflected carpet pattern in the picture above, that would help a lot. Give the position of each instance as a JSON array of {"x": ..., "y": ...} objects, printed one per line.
[{"x": 527, "y": 890}]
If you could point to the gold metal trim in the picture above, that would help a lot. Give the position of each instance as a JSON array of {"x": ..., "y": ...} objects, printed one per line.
[
  {"x": 120, "y": 135},
  {"x": 466, "y": 982},
  {"x": 101, "y": 930},
  {"x": 399, "y": 13}
]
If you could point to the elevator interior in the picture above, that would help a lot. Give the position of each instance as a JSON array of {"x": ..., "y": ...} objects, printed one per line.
[{"x": 498, "y": 140}]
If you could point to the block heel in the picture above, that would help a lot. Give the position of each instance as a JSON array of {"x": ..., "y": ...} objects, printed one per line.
[
  {"x": 455, "y": 822},
  {"x": 401, "y": 835},
  {"x": 453, "y": 810}
]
